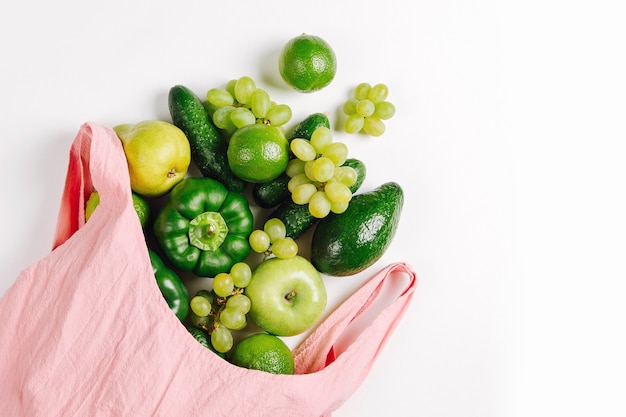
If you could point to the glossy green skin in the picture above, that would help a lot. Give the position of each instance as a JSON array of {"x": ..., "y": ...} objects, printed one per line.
[
  {"x": 305, "y": 128},
  {"x": 171, "y": 286},
  {"x": 272, "y": 193},
  {"x": 208, "y": 147},
  {"x": 297, "y": 218},
  {"x": 189, "y": 199},
  {"x": 348, "y": 243}
]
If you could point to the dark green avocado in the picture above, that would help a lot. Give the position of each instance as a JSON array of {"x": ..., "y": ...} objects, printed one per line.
[{"x": 345, "y": 244}]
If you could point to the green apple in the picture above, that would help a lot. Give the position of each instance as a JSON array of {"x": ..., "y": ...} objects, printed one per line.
[
  {"x": 158, "y": 155},
  {"x": 287, "y": 295}
]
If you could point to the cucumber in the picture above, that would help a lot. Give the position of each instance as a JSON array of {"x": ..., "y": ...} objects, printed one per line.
[
  {"x": 306, "y": 127},
  {"x": 348, "y": 243},
  {"x": 272, "y": 193},
  {"x": 297, "y": 218},
  {"x": 208, "y": 147}
]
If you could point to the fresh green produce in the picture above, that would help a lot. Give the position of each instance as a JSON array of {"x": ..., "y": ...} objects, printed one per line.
[
  {"x": 264, "y": 352},
  {"x": 142, "y": 207},
  {"x": 297, "y": 217},
  {"x": 171, "y": 286},
  {"x": 287, "y": 295},
  {"x": 161, "y": 143},
  {"x": 270, "y": 194},
  {"x": 223, "y": 309},
  {"x": 241, "y": 103},
  {"x": 204, "y": 339},
  {"x": 203, "y": 227},
  {"x": 368, "y": 109},
  {"x": 307, "y": 63},
  {"x": 273, "y": 240},
  {"x": 348, "y": 243},
  {"x": 318, "y": 177},
  {"x": 258, "y": 152},
  {"x": 208, "y": 147}
]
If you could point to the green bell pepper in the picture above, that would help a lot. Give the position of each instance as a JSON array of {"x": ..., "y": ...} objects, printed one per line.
[
  {"x": 171, "y": 286},
  {"x": 203, "y": 227}
]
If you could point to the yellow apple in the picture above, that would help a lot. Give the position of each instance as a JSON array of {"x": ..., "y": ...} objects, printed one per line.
[{"x": 158, "y": 155}]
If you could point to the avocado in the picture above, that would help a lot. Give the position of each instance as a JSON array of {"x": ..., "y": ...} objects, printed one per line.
[{"x": 345, "y": 244}]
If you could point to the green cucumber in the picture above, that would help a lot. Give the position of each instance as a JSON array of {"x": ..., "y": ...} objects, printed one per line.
[
  {"x": 297, "y": 218},
  {"x": 272, "y": 193},
  {"x": 306, "y": 127},
  {"x": 208, "y": 147},
  {"x": 348, "y": 243}
]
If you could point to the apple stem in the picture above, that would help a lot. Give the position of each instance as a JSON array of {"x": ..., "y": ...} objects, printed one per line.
[{"x": 290, "y": 295}]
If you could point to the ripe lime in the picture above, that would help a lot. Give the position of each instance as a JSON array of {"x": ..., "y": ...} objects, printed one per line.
[
  {"x": 258, "y": 153},
  {"x": 263, "y": 352},
  {"x": 307, "y": 63},
  {"x": 142, "y": 207}
]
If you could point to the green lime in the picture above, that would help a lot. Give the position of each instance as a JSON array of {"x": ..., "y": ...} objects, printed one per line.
[
  {"x": 307, "y": 63},
  {"x": 141, "y": 207},
  {"x": 263, "y": 352},
  {"x": 258, "y": 153}
]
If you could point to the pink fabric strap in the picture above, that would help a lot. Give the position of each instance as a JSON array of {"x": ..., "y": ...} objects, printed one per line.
[{"x": 86, "y": 331}]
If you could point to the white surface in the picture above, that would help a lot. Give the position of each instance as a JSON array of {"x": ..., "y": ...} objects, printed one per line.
[{"x": 505, "y": 141}]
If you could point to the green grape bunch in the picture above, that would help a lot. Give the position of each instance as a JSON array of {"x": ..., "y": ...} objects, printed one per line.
[
  {"x": 273, "y": 240},
  {"x": 317, "y": 177},
  {"x": 223, "y": 309},
  {"x": 368, "y": 109},
  {"x": 241, "y": 102}
]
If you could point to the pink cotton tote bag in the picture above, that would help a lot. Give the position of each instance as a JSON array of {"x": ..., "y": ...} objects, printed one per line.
[{"x": 86, "y": 332}]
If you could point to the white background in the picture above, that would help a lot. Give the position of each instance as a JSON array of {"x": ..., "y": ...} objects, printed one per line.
[{"x": 507, "y": 142}]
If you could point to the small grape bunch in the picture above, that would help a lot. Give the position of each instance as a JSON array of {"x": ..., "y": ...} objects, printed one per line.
[
  {"x": 224, "y": 308},
  {"x": 273, "y": 240},
  {"x": 241, "y": 103},
  {"x": 317, "y": 177},
  {"x": 367, "y": 109}
]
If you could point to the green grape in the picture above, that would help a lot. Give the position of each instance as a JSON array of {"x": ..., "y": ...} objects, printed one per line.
[
  {"x": 222, "y": 339},
  {"x": 373, "y": 126},
  {"x": 323, "y": 169},
  {"x": 204, "y": 322},
  {"x": 308, "y": 170},
  {"x": 241, "y": 274},
  {"x": 230, "y": 87},
  {"x": 233, "y": 318},
  {"x": 260, "y": 103},
  {"x": 319, "y": 205},
  {"x": 239, "y": 301},
  {"x": 303, "y": 193},
  {"x": 259, "y": 241},
  {"x": 275, "y": 228},
  {"x": 336, "y": 152},
  {"x": 200, "y": 306},
  {"x": 242, "y": 116},
  {"x": 298, "y": 180},
  {"x": 219, "y": 97},
  {"x": 361, "y": 91},
  {"x": 223, "y": 284},
  {"x": 384, "y": 110},
  {"x": 378, "y": 93},
  {"x": 221, "y": 117},
  {"x": 353, "y": 123},
  {"x": 337, "y": 192},
  {"x": 349, "y": 107},
  {"x": 321, "y": 138},
  {"x": 295, "y": 166},
  {"x": 365, "y": 108},
  {"x": 244, "y": 87},
  {"x": 302, "y": 149},
  {"x": 285, "y": 248},
  {"x": 338, "y": 208},
  {"x": 278, "y": 115},
  {"x": 346, "y": 175}
]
